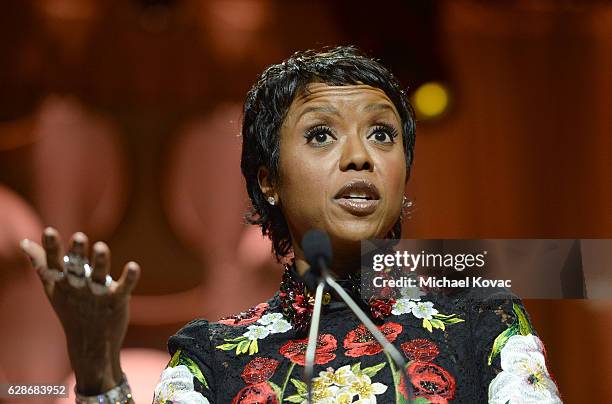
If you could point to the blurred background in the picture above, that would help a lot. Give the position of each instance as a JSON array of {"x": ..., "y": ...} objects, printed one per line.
[{"x": 121, "y": 119}]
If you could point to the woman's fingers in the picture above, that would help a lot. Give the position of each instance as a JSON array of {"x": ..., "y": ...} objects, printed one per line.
[
  {"x": 79, "y": 245},
  {"x": 35, "y": 253},
  {"x": 100, "y": 262},
  {"x": 129, "y": 278},
  {"x": 50, "y": 260},
  {"x": 53, "y": 249},
  {"x": 76, "y": 263}
]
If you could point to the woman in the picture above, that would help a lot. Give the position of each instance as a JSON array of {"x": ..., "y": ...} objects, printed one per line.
[{"x": 328, "y": 143}]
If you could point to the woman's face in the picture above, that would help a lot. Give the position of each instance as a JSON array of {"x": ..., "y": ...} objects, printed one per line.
[{"x": 342, "y": 164}]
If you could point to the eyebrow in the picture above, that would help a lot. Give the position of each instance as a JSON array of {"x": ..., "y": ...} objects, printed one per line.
[
  {"x": 321, "y": 108},
  {"x": 330, "y": 109},
  {"x": 379, "y": 106}
]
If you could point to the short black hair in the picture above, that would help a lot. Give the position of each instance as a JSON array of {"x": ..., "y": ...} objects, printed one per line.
[{"x": 265, "y": 109}]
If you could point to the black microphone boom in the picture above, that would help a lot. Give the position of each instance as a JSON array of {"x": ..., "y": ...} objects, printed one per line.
[{"x": 318, "y": 252}]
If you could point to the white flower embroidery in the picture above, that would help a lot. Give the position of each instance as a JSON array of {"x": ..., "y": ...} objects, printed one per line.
[
  {"x": 176, "y": 385},
  {"x": 270, "y": 318},
  {"x": 424, "y": 310},
  {"x": 524, "y": 377},
  {"x": 366, "y": 390},
  {"x": 402, "y": 306},
  {"x": 412, "y": 293},
  {"x": 272, "y": 323},
  {"x": 279, "y": 326},
  {"x": 322, "y": 394},
  {"x": 342, "y": 377},
  {"x": 341, "y": 386},
  {"x": 256, "y": 332}
]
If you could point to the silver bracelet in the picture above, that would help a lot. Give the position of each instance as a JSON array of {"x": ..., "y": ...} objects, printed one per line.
[{"x": 120, "y": 394}]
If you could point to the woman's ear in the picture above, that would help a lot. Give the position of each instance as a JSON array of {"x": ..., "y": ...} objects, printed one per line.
[{"x": 266, "y": 184}]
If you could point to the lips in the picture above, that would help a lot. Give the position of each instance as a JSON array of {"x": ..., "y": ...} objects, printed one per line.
[{"x": 359, "y": 197}]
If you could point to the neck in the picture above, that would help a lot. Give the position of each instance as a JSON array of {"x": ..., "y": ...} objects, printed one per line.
[{"x": 341, "y": 265}]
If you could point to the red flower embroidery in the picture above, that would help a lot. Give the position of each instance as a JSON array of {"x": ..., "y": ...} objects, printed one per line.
[
  {"x": 431, "y": 399},
  {"x": 295, "y": 350},
  {"x": 436, "y": 399},
  {"x": 431, "y": 381},
  {"x": 420, "y": 350},
  {"x": 246, "y": 317},
  {"x": 259, "y": 370},
  {"x": 381, "y": 308},
  {"x": 361, "y": 342},
  {"x": 260, "y": 393}
]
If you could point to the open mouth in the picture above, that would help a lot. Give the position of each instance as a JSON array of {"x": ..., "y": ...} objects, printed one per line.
[
  {"x": 358, "y": 197},
  {"x": 358, "y": 189}
]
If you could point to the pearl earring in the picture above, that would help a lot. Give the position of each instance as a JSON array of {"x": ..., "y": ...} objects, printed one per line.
[
  {"x": 406, "y": 203},
  {"x": 271, "y": 200}
]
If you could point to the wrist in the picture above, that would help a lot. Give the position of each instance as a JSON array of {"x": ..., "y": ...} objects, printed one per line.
[
  {"x": 95, "y": 374},
  {"x": 95, "y": 382},
  {"x": 96, "y": 365},
  {"x": 119, "y": 394}
]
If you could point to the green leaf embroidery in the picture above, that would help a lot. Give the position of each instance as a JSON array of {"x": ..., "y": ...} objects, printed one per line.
[
  {"x": 296, "y": 398},
  {"x": 454, "y": 320},
  {"x": 443, "y": 316},
  {"x": 253, "y": 348},
  {"x": 440, "y": 321},
  {"x": 276, "y": 388},
  {"x": 437, "y": 324},
  {"x": 175, "y": 358},
  {"x": 226, "y": 347},
  {"x": 300, "y": 386},
  {"x": 372, "y": 370},
  {"x": 523, "y": 324},
  {"x": 520, "y": 326},
  {"x": 500, "y": 341},
  {"x": 356, "y": 368},
  {"x": 243, "y": 347},
  {"x": 197, "y": 373},
  {"x": 179, "y": 358}
]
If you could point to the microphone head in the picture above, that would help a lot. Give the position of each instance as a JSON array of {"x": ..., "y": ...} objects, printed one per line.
[{"x": 316, "y": 246}]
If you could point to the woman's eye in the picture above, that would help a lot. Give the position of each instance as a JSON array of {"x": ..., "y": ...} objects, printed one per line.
[
  {"x": 383, "y": 135},
  {"x": 319, "y": 136}
]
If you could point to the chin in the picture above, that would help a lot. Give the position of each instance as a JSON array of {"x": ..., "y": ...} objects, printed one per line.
[{"x": 355, "y": 232}]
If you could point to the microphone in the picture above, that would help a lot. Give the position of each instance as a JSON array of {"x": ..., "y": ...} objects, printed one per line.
[
  {"x": 317, "y": 250},
  {"x": 318, "y": 253}
]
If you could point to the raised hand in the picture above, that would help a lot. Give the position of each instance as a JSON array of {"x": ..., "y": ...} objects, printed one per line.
[{"x": 92, "y": 308}]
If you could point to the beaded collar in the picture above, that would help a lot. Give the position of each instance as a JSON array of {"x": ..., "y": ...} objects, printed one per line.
[{"x": 297, "y": 302}]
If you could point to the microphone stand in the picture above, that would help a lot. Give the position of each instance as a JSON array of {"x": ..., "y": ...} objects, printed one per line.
[
  {"x": 313, "y": 336},
  {"x": 313, "y": 333}
]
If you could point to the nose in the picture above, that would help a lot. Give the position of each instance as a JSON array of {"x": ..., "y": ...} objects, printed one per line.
[{"x": 355, "y": 155}]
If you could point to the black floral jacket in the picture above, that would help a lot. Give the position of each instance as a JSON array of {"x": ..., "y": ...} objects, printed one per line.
[{"x": 459, "y": 349}]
